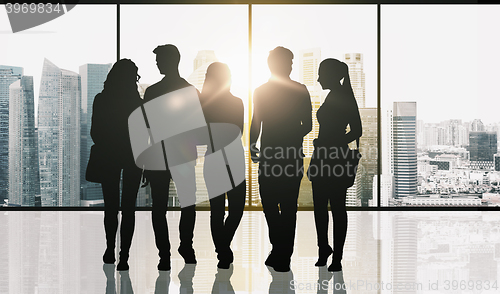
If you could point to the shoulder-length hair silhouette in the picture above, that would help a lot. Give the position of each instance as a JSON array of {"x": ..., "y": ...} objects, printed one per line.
[{"x": 112, "y": 153}]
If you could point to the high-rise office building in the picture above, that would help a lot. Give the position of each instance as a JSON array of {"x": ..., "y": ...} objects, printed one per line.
[
  {"x": 200, "y": 64},
  {"x": 482, "y": 148},
  {"x": 404, "y": 149},
  {"x": 369, "y": 150},
  {"x": 8, "y": 75},
  {"x": 357, "y": 76},
  {"x": 309, "y": 61},
  {"x": 24, "y": 182},
  {"x": 59, "y": 136},
  {"x": 386, "y": 193},
  {"x": 477, "y": 126},
  {"x": 92, "y": 81}
]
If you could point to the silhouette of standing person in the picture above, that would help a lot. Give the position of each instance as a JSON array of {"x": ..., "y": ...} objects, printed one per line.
[
  {"x": 220, "y": 106},
  {"x": 338, "y": 111},
  {"x": 167, "y": 60},
  {"x": 113, "y": 153},
  {"x": 282, "y": 111}
]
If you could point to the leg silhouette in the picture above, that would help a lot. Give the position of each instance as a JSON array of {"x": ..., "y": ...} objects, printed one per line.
[
  {"x": 223, "y": 230},
  {"x": 321, "y": 219},
  {"x": 160, "y": 182},
  {"x": 186, "y": 232},
  {"x": 337, "y": 205},
  {"x": 131, "y": 182},
  {"x": 111, "y": 194}
]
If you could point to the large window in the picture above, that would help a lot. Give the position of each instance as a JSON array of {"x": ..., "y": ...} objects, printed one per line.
[
  {"x": 49, "y": 76},
  {"x": 440, "y": 124},
  {"x": 203, "y": 34},
  {"x": 345, "y": 32},
  {"x": 435, "y": 106}
]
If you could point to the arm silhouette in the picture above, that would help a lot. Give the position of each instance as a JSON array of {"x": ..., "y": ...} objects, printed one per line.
[
  {"x": 306, "y": 113},
  {"x": 354, "y": 124},
  {"x": 255, "y": 128}
]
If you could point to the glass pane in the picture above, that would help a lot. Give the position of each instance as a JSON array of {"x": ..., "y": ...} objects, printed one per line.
[
  {"x": 203, "y": 34},
  {"x": 344, "y": 32},
  {"x": 49, "y": 76},
  {"x": 439, "y": 76}
]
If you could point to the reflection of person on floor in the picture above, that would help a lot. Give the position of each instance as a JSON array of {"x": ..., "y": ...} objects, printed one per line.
[
  {"x": 282, "y": 283},
  {"x": 109, "y": 272},
  {"x": 162, "y": 282},
  {"x": 186, "y": 276},
  {"x": 112, "y": 153},
  {"x": 325, "y": 281},
  {"x": 167, "y": 60},
  {"x": 222, "y": 282},
  {"x": 324, "y": 277},
  {"x": 339, "y": 286},
  {"x": 337, "y": 112},
  {"x": 282, "y": 110},
  {"x": 125, "y": 283},
  {"x": 220, "y": 106}
]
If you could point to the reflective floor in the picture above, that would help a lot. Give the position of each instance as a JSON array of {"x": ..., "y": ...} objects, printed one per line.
[{"x": 386, "y": 252}]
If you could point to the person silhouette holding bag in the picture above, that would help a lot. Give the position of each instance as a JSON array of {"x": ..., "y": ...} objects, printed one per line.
[{"x": 112, "y": 153}]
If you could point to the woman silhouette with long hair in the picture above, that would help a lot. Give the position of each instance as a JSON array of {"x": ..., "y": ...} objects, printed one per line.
[
  {"x": 112, "y": 153},
  {"x": 338, "y": 111},
  {"x": 220, "y": 106}
]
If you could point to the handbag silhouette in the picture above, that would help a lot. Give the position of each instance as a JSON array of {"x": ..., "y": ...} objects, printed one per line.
[{"x": 97, "y": 167}]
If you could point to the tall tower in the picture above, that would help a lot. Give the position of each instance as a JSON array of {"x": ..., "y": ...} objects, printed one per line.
[
  {"x": 309, "y": 61},
  {"x": 369, "y": 147},
  {"x": 59, "y": 136},
  {"x": 482, "y": 148},
  {"x": 8, "y": 75},
  {"x": 200, "y": 64},
  {"x": 24, "y": 182},
  {"x": 357, "y": 75},
  {"x": 92, "y": 79},
  {"x": 405, "y": 149}
]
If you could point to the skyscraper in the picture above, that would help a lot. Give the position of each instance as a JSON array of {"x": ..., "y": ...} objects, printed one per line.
[
  {"x": 405, "y": 149},
  {"x": 200, "y": 64},
  {"x": 369, "y": 147},
  {"x": 8, "y": 75},
  {"x": 92, "y": 80},
  {"x": 309, "y": 61},
  {"x": 357, "y": 76},
  {"x": 59, "y": 136},
  {"x": 482, "y": 148},
  {"x": 24, "y": 182}
]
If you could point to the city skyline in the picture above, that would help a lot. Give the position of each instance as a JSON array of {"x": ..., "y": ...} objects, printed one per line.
[{"x": 448, "y": 128}]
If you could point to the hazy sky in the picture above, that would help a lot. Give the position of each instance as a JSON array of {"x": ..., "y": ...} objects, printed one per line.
[
  {"x": 336, "y": 29},
  {"x": 222, "y": 28},
  {"x": 445, "y": 57},
  {"x": 87, "y": 34}
]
